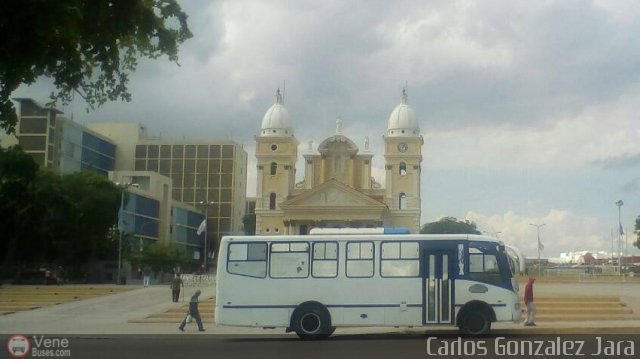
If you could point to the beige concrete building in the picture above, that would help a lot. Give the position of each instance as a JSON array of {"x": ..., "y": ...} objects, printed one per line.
[
  {"x": 338, "y": 189},
  {"x": 208, "y": 171}
]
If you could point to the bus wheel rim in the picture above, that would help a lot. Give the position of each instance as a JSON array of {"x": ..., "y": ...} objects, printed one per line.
[{"x": 310, "y": 323}]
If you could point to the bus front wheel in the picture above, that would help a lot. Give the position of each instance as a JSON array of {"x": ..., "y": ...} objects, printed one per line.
[
  {"x": 475, "y": 322},
  {"x": 311, "y": 320}
]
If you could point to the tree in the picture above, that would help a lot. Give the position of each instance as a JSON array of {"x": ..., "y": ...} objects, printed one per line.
[
  {"x": 637, "y": 242},
  {"x": 450, "y": 225},
  {"x": 18, "y": 216},
  {"x": 92, "y": 203},
  {"x": 160, "y": 256},
  {"x": 87, "y": 46},
  {"x": 48, "y": 219}
]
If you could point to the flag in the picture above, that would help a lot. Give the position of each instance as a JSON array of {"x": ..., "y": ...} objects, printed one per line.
[
  {"x": 202, "y": 227},
  {"x": 621, "y": 230},
  {"x": 540, "y": 245},
  {"x": 123, "y": 225}
]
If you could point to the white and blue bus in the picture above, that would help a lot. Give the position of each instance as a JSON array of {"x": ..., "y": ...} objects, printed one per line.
[{"x": 311, "y": 284}]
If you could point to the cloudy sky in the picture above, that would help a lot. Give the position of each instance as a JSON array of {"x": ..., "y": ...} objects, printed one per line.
[{"x": 529, "y": 109}]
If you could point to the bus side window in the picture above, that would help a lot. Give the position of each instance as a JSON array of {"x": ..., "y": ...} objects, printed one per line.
[
  {"x": 289, "y": 260},
  {"x": 400, "y": 259},
  {"x": 325, "y": 260},
  {"x": 359, "y": 259},
  {"x": 248, "y": 259},
  {"x": 484, "y": 268}
]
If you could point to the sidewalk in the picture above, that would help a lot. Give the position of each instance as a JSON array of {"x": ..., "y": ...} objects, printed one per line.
[
  {"x": 103, "y": 315},
  {"x": 110, "y": 314}
]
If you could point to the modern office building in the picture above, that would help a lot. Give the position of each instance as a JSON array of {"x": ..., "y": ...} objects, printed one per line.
[
  {"x": 209, "y": 175},
  {"x": 60, "y": 144},
  {"x": 338, "y": 189}
]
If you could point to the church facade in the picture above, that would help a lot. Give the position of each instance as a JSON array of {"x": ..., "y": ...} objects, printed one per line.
[{"x": 338, "y": 189}]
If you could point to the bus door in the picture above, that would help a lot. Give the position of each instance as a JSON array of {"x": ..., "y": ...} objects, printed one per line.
[{"x": 438, "y": 287}]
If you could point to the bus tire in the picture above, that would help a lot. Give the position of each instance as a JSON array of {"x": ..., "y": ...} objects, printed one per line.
[
  {"x": 311, "y": 321},
  {"x": 475, "y": 322}
]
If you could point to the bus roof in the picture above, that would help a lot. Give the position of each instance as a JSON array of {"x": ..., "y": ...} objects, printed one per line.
[
  {"x": 376, "y": 230},
  {"x": 361, "y": 236}
]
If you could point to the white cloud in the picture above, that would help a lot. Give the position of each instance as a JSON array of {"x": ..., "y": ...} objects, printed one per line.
[
  {"x": 595, "y": 134},
  {"x": 563, "y": 231}
]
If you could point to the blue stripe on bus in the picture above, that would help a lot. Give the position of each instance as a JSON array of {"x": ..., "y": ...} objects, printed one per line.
[
  {"x": 328, "y": 306},
  {"x": 396, "y": 230},
  {"x": 493, "y": 305}
]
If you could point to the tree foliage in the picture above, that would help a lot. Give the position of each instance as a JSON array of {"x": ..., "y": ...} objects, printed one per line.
[
  {"x": 48, "y": 219},
  {"x": 450, "y": 225},
  {"x": 17, "y": 206},
  {"x": 86, "y": 46},
  {"x": 637, "y": 242},
  {"x": 160, "y": 256}
]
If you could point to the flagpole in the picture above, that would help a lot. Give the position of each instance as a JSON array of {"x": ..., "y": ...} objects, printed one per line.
[
  {"x": 619, "y": 204},
  {"x": 539, "y": 246},
  {"x": 124, "y": 187},
  {"x": 206, "y": 205},
  {"x": 120, "y": 224}
]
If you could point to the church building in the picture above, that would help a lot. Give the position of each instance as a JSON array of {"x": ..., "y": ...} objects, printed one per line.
[{"x": 338, "y": 189}]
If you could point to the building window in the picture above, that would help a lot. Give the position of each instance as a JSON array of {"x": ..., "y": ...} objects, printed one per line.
[
  {"x": 274, "y": 168},
  {"x": 402, "y": 201},
  {"x": 272, "y": 201},
  {"x": 403, "y": 169}
]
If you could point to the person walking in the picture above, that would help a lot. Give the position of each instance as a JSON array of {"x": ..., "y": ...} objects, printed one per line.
[
  {"x": 528, "y": 301},
  {"x": 193, "y": 312},
  {"x": 176, "y": 283},
  {"x": 146, "y": 276}
]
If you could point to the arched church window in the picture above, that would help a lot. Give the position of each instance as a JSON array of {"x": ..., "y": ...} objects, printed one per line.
[
  {"x": 402, "y": 201},
  {"x": 403, "y": 169},
  {"x": 272, "y": 201},
  {"x": 274, "y": 168}
]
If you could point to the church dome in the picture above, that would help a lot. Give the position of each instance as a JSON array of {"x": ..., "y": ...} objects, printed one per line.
[
  {"x": 276, "y": 121},
  {"x": 402, "y": 121}
]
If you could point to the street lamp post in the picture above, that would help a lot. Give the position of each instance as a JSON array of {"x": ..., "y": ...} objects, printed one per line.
[
  {"x": 124, "y": 187},
  {"x": 619, "y": 204},
  {"x": 539, "y": 245},
  {"x": 206, "y": 205}
]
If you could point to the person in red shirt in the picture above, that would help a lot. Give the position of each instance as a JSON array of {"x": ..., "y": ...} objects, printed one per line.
[{"x": 528, "y": 301}]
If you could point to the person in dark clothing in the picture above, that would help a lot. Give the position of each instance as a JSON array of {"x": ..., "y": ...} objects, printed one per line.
[
  {"x": 528, "y": 301},
  {"x": 193, "y": 311},
  {"x": 176, "y": 283}
]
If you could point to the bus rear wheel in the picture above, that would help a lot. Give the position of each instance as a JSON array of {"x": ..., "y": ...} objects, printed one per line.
[
  {"x": 312, "y": 321},
  {"x": 475, "y": 322}
]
